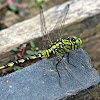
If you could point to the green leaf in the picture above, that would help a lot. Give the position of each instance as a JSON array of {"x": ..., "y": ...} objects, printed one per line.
[
  {"x": 36, "y": 2},
  {"x": 39, "y": 3},
  {"x": 40, "y": 51},
  {"x": 13, "y": 8},
  {"x": 15, "y": 49},
  {"x": 36, "y": 53},
  {"x": 19, "y": 55},
  {"x": 0, "y": 3},
  {"x": 32, "y": 45},
  {"x": 22, "y": 47},
  {"x": 29, "y": 52},
  {"x": 17, "y": 1},
  {"x": 33, "y": 49},
  {"x": 37, "y": 48},
  {"x": 17, "y": 68}
]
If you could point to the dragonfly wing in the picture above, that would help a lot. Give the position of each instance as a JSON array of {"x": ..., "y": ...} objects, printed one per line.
[
  {"x": 58, "y": 28},
  {"x": 50, "y": 38},
  {"x": 43, "y": 27}
]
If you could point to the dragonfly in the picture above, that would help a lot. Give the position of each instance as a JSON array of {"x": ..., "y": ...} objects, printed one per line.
[{"x": 57, "y": 48}]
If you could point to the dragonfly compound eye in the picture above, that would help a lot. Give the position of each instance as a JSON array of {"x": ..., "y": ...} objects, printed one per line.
[
  {"x": 78, "y": 43},
  {"x": 74, "y": 38}
]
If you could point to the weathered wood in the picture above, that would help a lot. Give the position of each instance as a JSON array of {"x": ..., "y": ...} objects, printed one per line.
[{"x": 30, "y": 29}]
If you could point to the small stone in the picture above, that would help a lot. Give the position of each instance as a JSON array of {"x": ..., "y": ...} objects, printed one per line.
[
  {"x": 11, "y": 18},
  {"x": 7, "y": 81}
]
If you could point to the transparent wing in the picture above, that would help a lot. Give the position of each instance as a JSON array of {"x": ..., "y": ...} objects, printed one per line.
[
  {"x": 64, "y": 14},
  {"x": 49, "y": 38},
  {"x": 54, "y": 35},
  {"x": 43, "y": 27}
]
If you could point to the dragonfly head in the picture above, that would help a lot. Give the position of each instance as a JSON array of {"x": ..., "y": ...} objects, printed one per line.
[{"x": 76, "y": 41}]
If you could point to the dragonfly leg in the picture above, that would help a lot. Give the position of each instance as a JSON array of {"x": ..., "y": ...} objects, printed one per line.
[
  {"x": 58, "y": 70},
  {"x": 57, "y": 65},
  {"x": 58, "y": 75},
  {"x": 68, "y": 60},
  {"x": 68, "y": 57}
]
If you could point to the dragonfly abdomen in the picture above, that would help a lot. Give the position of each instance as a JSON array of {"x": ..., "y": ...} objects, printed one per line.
[{"x": 11, "y": 64}]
